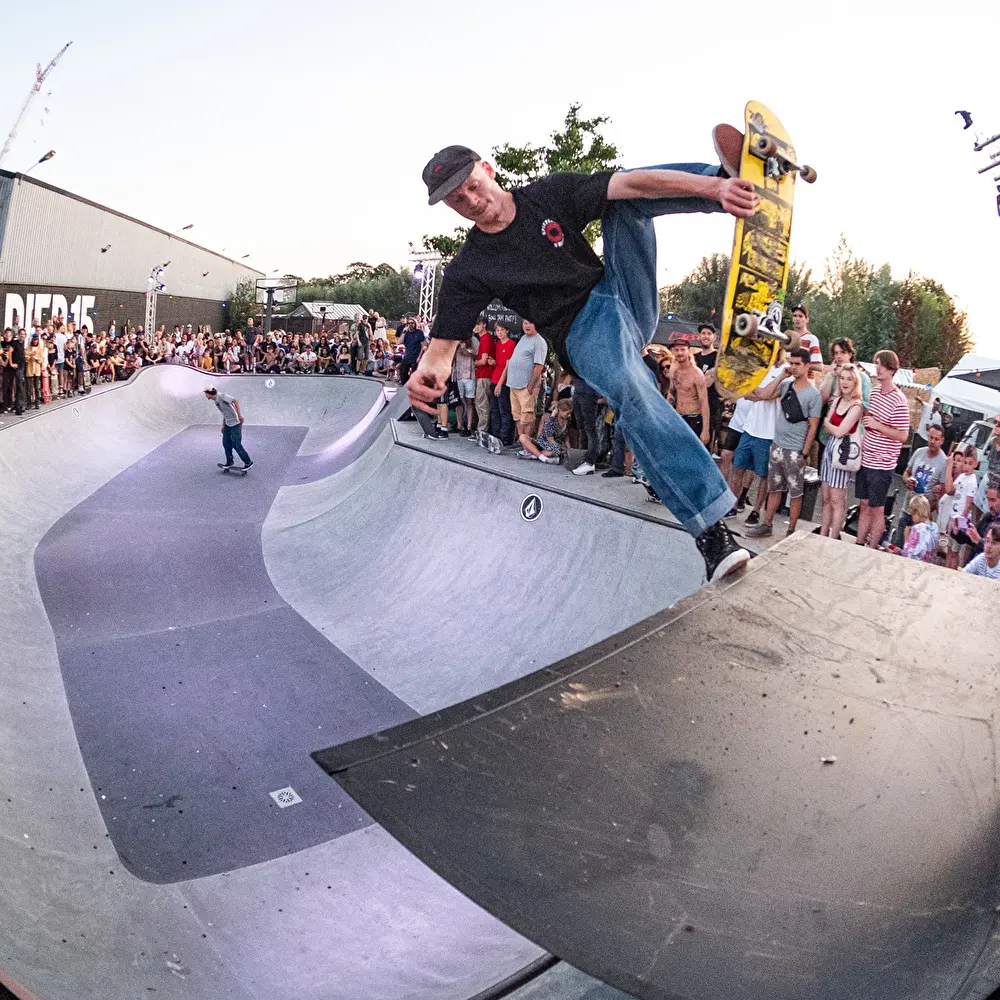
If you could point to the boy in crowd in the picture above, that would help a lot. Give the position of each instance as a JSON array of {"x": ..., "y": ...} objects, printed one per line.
[
  {"x": 887, "y": 426},
  {"x": 795, "y": 424}
]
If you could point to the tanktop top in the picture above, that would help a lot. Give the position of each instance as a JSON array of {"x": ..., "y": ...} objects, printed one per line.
[{"x": 838, "y": 418}]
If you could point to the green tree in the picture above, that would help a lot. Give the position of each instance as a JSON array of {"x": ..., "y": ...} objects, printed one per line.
[
  {"x": 579, "y": 148},
  {"x": 878, "y": 322},
  {"x": 699, "y": 296},
  {"x": 838, "y": 305},
  {"x": 800, "y": 289},
  {"x": 447, "y": 246},
  {"x": 391, "y": 293},
  {"x": 241, "y": 304},
  {"x": 949, "y": 335}
]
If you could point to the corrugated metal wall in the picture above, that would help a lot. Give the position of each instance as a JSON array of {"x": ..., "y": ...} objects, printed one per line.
[{"x": 52, "y": 238}]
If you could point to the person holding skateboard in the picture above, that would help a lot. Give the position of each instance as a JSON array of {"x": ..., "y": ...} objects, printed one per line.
[
  {"x": 527, "y": 248},
  {"x": 232, "y": 427}
]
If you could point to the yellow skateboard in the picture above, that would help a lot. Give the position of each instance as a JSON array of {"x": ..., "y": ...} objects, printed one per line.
[{"x": 758, "y": 274}]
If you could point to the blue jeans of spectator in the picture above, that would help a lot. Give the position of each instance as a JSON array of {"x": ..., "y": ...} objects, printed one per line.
[
  {"x": 605, "y": 344},
  {"x": 501, "y": 417},
  {"x": 232, "y": 440},
  {"x": 585, "y": 411}
]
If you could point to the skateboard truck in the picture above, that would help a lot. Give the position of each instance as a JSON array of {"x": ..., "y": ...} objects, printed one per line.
[
  {"x": 757, "y": 325},
  {"x": 776, "y": 163}
]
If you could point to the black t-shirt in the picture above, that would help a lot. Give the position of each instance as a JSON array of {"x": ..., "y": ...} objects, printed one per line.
[
  {"x": 705, "y": 361},
  {"x": 18, "y": 356},
  {"x": 541, "y": 265}
]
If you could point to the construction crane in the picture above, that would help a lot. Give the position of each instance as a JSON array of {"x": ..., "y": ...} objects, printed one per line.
[{"x": 40, "y": 75}]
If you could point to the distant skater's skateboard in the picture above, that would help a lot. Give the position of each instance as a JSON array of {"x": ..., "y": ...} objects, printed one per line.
[
  {"x": 758, "y": 275},
  {"x": 235, "y": 469}
]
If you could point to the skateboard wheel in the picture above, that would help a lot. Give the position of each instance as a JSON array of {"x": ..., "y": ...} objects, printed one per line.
[
  {"x": 765, "y": 146},
  {"x": 808, "y": 174},
  {"x": 745, "y": 325}
]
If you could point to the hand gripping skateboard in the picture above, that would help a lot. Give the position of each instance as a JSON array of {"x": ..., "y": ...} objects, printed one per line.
[{"x": 752, "y": 311}]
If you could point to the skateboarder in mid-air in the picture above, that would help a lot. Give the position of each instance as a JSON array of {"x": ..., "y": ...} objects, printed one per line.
[
  {"x": 527, "y": 249},
  {"x": 232, "y": 428}
]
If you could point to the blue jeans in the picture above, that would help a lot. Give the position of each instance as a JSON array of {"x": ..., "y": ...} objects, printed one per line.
[
  {"x": 232, "y": 440},
  {"x": 605, "y": 344},
  {"x": 501, "y": 416}
]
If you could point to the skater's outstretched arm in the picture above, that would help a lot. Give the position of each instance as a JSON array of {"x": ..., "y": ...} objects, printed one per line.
[
  {"x": 736, "y": 196},
  {"x": 430, "y": 379}
]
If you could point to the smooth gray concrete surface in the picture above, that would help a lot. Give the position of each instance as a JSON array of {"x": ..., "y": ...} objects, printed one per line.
[{"x": 350, "y": 544}]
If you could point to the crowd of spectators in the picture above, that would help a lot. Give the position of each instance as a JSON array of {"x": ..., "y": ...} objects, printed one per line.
[
  {"x": 56, "y": 360},
  {"x": 833, "y": 425},
  {"x": 834, "y": 422}
]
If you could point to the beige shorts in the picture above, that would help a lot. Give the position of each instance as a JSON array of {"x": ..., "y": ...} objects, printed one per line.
[
  {"x": 785, "y": 472},
  {"x": 522, "y": 404}
]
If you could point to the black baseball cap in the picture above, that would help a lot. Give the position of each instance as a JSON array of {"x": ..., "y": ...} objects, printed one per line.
[{"x": 446, "y": 170}]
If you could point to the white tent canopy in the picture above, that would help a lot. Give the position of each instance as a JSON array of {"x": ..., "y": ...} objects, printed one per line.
[{"x": 968, "y": 395}]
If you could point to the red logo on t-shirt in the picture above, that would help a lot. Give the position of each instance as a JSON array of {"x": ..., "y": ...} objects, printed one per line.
[{"x": 553, "y": 231}]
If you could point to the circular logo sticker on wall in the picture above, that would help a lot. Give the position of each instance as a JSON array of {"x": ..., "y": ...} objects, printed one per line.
[
  {"x": 270, "y": 383},
  {"x": 531, "y": 507}
]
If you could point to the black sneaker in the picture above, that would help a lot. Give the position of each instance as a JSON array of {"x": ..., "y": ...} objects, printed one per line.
[
  {"x": 741, "y": 505},
  {"x": 247, "y": 465},
  {"x": 753, "y": 517},
  {"x": 613, "y": 474},
  {"x": 733, "y": 512},
  {"x": 224, "y": 465},
  {"x": 722, "y": 553},
  {"x": 442, "y": 432}
]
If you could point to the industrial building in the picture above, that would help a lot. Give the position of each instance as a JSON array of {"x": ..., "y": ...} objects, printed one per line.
[{"x": 62, "y": 255}]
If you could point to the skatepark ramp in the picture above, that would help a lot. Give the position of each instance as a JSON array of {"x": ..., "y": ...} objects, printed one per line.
[
  {"x": 177, "y": 643},
  {"x": 784, "y": 787}
]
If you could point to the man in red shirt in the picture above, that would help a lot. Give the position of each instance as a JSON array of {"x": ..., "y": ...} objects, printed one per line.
[
  {"x": 887, "y": 426},
  {"x": 501, "y": 418},
  {"x": 484, "y": 378}
]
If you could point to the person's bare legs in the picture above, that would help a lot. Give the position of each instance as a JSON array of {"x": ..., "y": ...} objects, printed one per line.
[
  {"x": 876, "y": 526},
  {"x": 527, "y": 444},
  {"x": 773, "y": 503},
  {"x": 470, "y": 405},
  {"x": 826, "y": 521},
  {"x": 794, "y": 509},
  {"x": 726, "y": 467},
  {"x": 442, "y": 417},
  {"x": 524, "y": 432},
  {"x": 762, "y": 494},
  {"x": 864, "y": 521},
  {"x": 838, "y": 503},
  {"x": 738, "y": 479}
]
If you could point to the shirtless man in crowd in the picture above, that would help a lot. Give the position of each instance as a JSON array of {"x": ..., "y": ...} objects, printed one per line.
[{"x": 688, "y": 391}]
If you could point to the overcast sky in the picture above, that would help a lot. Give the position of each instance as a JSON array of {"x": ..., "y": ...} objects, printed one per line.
[{"x": 297, "y": 132}]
